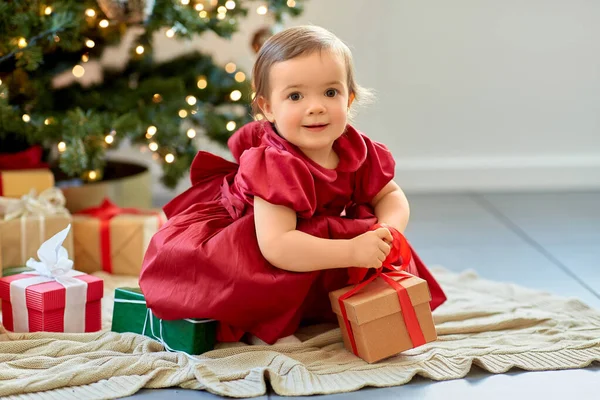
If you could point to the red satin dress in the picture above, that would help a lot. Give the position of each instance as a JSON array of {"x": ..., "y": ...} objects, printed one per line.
[{"x": 205, "y": 261}]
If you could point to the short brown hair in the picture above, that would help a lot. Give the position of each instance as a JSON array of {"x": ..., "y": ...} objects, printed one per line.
[{"x": 298, "y": 41}]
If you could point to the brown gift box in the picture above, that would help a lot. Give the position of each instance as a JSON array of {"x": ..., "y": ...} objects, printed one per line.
[
  {"x": 130, "y": 235},
  {"x": 16, "y": 183},
  {"x": 376, "y": 318},
  {"x": 20, "y": 238}
]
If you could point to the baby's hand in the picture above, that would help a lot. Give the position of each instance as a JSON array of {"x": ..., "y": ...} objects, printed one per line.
[{"x": 370, "y": 249}]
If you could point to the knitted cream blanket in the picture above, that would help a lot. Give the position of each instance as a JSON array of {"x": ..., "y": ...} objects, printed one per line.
[{"x": 495, "y": 325}]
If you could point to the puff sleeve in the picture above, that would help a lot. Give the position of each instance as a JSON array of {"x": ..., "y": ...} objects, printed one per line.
[
  {"x": 278, "y": 177},
  {"x": 376, "y": 172}
]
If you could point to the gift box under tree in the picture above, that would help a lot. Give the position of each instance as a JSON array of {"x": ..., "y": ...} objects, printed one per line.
[
  {"x": 53, "y": 297},
  {"x": 27, "y": 222},
  {"x": 23, "y": 171},
  {"x": 113, "y": 239},
  {"x": 130, "y": 314}
]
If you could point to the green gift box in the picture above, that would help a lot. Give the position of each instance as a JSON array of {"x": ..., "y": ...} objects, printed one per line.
[{"x": 130, "y": 314}]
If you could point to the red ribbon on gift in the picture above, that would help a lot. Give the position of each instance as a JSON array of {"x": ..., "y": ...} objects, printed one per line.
[
  {"x": 105, "y": 212},
  {"x": 26, "y": 159},
  {"x": 400, "y": 250}
]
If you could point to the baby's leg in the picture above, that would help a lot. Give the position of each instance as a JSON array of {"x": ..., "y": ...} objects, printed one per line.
[{"x": 284, "y": 340}]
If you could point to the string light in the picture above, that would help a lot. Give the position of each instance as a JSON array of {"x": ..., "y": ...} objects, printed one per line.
[
  {"x": 109, "y": 139},
  {"x": 26, "y": 117},
  {"x": 169, "y": 158},
  {"x": 221, "y": 17},
  {"x": 203, "y": 14},
  {"x": 230, "y": 126},
  {"x": 199, "y": 7},
  {"x": 139, "y": 49},
  {"x": 240, "y": 76},
  {"x": 62, "y": 146},
  {"x": 261, "y": 10},
  {"x": 182, "y": 113},
  {"x": 230, "y": 4},
  {"x": 90, "y": 12},
  {"x": 48, "y": 10},
  {"x": 22, "y": 42},
  {"x": 153, "y": 146},
  {"x": 235, "y": 95},
  {"x": 85, "y": 58},
  {"x": 191, "y": 133},
  {"x": 185, "y": 2},
  {"x": 56, "y": 39},
  {"x": 103, "y": 23},
  {"x": 191, "y": 100},
  {"x": 78, "y": 71},
  {"x": 92, "y": 175},
  {"x": 291, "y": 3},
  {"x": 151, "y": 130},
  {"x": 90, "y": 43},
  {"x": 230, "y": 67},
  {"x": 170, "y": 33},
  {"x": 47, "y": 121},
  {"x": 157, "y": 98},
  {"x": 202, "y": 82},
  {"x": 0, "y": 81},
  {"x": 222, "y": 10}
]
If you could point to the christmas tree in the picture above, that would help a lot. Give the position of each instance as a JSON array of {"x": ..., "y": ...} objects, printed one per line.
[{"x": 160, "y": 105}]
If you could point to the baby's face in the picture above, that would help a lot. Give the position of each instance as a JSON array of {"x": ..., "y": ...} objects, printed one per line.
[{"x": 309, "y": 100}]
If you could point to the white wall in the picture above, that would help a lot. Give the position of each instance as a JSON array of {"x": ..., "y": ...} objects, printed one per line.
[{"x": 471, "y": 94}]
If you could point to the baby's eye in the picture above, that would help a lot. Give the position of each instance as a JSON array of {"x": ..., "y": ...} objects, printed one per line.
[
  {"x": 331, "y": 92},
  {"x": 294, "y": 96}
]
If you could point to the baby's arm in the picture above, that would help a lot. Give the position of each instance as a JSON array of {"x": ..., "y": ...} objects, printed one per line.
[
  {"x": 287, "y": 248},
  {"x": 391, "y": 206}
]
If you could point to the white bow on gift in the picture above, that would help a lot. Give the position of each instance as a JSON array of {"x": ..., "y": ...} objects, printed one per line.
[
  {"x": 54, "y": 265},
  {"x": 50, "y": 202}
]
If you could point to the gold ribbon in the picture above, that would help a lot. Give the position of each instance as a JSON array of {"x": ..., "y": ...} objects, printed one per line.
[{"x": 50, "y": 202}]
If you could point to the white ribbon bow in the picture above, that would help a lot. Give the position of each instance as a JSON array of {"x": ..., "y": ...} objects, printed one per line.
[
  {"x": 54, "y": 265},
  {"x": 50, "y": 202}
]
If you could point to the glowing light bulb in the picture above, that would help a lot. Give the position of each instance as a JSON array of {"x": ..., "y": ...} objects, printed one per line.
[
  {"x": 62, "y": 146},
  {"x": 235, "y": 95},
  {"x": 183, "y": 113},
  {"x": 109, "y": 139},
  {"x": 230, "y": 67},
  {"x": 47, "y": 121},
  {"x": 222, "y": 10},
  {"x": 151, "y": 130},
  {"x": 202, "y": 83},
  {"x": 202, "y": 14},
  {"x": 169, "y": 158},
  {"x": 139, "y": 49},
  {"x": 261, "y": 10},
  {"x": 48, "y": 10},
  {"x": 191, "y": 100},
  {"x": 92, "y": 175},
  {"x": 185, "y": 2},
  {"x": 191, "y": 133},
  {"x": 85, "y": 58},
  {"x": 22, "y": 42},
  {"x": 90, "y": 12},
  {"x": 291, "y": 3},
  {"x": 221, "y": 17},
  {"x": 170, "y": 33},
  {"x": 230, "y": 4},
  {"x": 230, "y": 126},
  {"x": 26, "y": 117},
  {"x": 157, "y": 98},
  {"x": 78, "y": 71},
  {"x": 90, "y": 43},
  {"x": 153, "y": 146},
  {"x": 240, "y": 76},
  {"x": 199, "y": 7},
  {"x": 103, "y": 23}
]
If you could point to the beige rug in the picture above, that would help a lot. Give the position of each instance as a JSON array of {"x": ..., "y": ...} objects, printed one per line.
[{"x": 494, "y": 325}]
